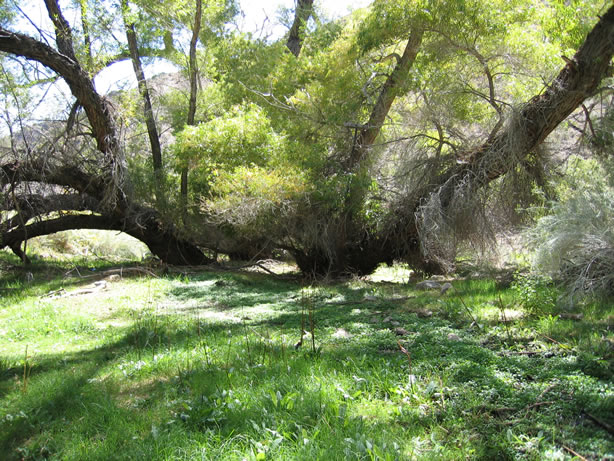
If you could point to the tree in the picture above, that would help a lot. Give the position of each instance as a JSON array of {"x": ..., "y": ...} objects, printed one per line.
[
  {"x": 103, "y": 189},
  {"x": 377, "y": 137}
]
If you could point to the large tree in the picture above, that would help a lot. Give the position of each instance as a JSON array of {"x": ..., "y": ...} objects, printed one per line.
[
  {"x": 101, "y": 183},
  {"x": 403, "y": 120},
  {"x": 371, "y": 140}
]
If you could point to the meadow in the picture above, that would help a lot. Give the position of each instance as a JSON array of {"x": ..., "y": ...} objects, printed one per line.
[{"x": 101, "y": 361}]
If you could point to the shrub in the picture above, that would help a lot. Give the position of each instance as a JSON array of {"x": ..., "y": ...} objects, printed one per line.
[{"x": 575, "y": 241}]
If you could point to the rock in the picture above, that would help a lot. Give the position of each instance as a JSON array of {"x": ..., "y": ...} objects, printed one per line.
[
  {"x": 370, "y": 298},
  {"x": 424, "y": 313},
  {"x": 428, "y": 285},
  {"x": 453, "y": 337},
  {"x": 113, "y": 278},
  {"x": 342, "y": 334},
  {"x": 571, "y": 316},
  {"x": 100, "y": 285},
  {"x": 394, "y": 323},
  {"x": 400, "y": 331},
  {"x": 445, "y": 287}
]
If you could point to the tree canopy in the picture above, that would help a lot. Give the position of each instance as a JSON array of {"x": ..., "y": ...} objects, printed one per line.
[{"x": 395, "y": 133}]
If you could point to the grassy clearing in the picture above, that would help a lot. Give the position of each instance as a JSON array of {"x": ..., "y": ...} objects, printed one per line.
[{"x": 203, "y": 366}]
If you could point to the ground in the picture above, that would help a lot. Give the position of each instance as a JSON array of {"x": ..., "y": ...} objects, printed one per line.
[{"x": 205, "y": 364}]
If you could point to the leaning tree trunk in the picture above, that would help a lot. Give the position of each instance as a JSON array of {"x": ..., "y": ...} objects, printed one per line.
[
  {"x": 108, "y": 185},
  {"x": 303, "y": 11},
  {"x": 521, "y": 134},
  {"x": 524, "y": 130}
]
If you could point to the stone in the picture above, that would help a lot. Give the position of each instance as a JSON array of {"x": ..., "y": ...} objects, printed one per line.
[{"x": 428, "y": 285}]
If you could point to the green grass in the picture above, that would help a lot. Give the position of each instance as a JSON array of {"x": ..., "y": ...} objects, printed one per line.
[{"x": 203, "y": 366}]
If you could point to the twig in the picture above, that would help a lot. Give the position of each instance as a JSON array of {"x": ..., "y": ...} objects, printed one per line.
[
  {"x": 538, "y": 404},
  {"x": 600, "y": 423},
  {"x": 406, "y": 352},
  {"x": 466, "y": 308},
  {"x": 574, "y": 453},
  {"x": 258, "y": 264},
  {"x": 564, "y": 346},
  {"x": 546, "y": 390}
]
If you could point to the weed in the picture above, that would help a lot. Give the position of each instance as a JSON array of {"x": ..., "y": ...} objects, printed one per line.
[{"x": 535, "y": 293}]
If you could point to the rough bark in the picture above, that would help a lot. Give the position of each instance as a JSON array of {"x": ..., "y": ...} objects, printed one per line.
[
  {"x": 140, "y": 222},
  {"x": 296, "y": 35},
  {"x": 529, "y": 126},
  {"x": 143, "y": 225},
  {"x": 193, "y": 70},
  {"x": 523, "y": 131},
  {"x": 81, "y": 86}
]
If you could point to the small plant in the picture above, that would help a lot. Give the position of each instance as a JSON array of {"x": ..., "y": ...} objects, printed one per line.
[
  {"x": 537, "y": 294},
  {"x": 27, "y": 369},
  {"x": 307, "y": 303}
]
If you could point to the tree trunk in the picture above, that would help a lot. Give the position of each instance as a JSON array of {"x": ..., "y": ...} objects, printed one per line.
[
  {"x": 524, "y": 130},
  {"x": 107, "y": 186},
  {"x": 193, "y": 70},
  {"x": 150, "y": 122},
  {"x": 296, "y": 35}
]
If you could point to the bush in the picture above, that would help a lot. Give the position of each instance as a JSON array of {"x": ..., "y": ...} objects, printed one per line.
[
  {"x": 575, "y": 241},
  {"x": 536, "y": 294}
]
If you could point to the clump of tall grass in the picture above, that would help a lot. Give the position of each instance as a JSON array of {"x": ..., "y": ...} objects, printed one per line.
[{"x": 574, "y": 242}]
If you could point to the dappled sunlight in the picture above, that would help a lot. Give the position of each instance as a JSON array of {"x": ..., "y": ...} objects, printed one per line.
[{"x": 215, "y": 360}]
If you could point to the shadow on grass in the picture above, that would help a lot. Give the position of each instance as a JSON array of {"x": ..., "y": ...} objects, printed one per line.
[{"x": 258, "y": 389}]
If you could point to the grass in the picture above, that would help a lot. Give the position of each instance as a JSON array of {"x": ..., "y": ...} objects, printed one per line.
[{"x": 203, "y": 366}]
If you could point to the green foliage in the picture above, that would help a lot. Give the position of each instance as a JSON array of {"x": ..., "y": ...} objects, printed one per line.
[
  {"x": 536, "y": 294},
  {"x": 203, "y": 365},
  {"x": 570, "y": 21},
  {"x": 243, "y": 136},
  {"x": 255, "y": 200}
]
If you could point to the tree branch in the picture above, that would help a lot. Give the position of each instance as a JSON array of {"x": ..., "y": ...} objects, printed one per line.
[
  {"x": 367, "y": 135},
  {"x": 296, "y": 36}
]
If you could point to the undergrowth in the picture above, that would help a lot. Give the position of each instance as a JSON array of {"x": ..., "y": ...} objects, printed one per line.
[{"x": 208, "y": 365}]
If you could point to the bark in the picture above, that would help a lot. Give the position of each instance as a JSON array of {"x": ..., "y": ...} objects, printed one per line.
[
  {"x": 143, "y": 223},
  {"x": 296, "y": 36},
  {"x": 524, "y": 130},
  {"x": 152, "y": 131},
  {"x": 193, "y": 69},
  {"x": 33, "y": 205},
  {"x": 535, "y": 120},
  {"x": 81, "y": 86},
  {"x": 368, "y": 133},
  {"x": 63, "y": 34}
]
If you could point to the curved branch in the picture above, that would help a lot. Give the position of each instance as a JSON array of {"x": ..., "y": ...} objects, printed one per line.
[
  {"x": 67, "y": 176},
  {"x": 97, "y": 109},
  {"x": 51, "y": 226}
]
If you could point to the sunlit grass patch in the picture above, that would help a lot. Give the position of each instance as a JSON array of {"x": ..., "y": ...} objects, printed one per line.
[{"x": 211, "y": 366}]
